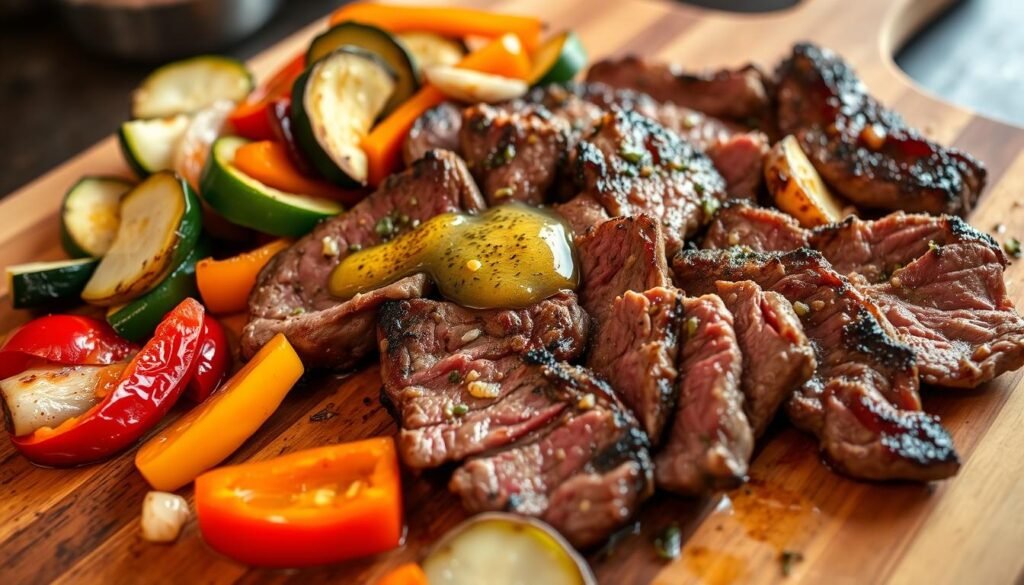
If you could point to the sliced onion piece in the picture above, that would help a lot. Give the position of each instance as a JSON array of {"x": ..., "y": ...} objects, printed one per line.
[
  {"x": 505, "y": 549},
  {"x": 49, "y": 395},
  {"x": 194, "y": 148},
  {"x": 472, "y": 86}
]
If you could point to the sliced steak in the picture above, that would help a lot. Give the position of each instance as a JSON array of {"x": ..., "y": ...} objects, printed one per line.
[
  {"x": 453, "y": 378},
  {"x": 777, "y": 356},
  {"x": 876, "y": 249},
  {"x": 585, "y": 473},
  {"x": 631, "y": 165},
  {"x": 582, "y": 213},
  {"x": 738, "y": 94},
  {"x": 514, "y": 153},
  {"x": 755, "y": 228},
  {"x": 291, "y": 295},
  {"x": 863, "y": 150},
  {"x": 436, "y": 129},
  {"x": 740, "y": 160},
  {"x": 863, "y": 402},
  {"x": 710, "y": 441}
]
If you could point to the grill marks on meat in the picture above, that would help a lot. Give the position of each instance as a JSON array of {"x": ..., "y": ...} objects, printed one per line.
[
  {"x": 436, "y": 129},
  {"x": 291, "y": 295},
  {"x": 864, "y": 150},
  {"x": 757, "y": 228},
  {"x": 862, "y": 403},
  {"x": 633, "y": 165},
  {"x": 740, "y": 95},
  {"x": 625, "y": 287},
  {"x": 438, "y": 358},
  {"x": 710, "y": 441},
  {"x": 514, "y": 153},
  {"x": 585, "y": 473},
  {"x": 777, "y": 356}
]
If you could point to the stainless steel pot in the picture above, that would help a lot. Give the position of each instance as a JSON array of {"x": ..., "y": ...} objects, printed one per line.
[{"x": 153, "y": 30}]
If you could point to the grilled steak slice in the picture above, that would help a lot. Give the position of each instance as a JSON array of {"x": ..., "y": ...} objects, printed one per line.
[
  {"x": 633, "y": 165},
  {"x": 514, "y": 153},
  {"x": 740, "y": 160},
  {"x": 710, "y": 441},
  {"x": 738, "y": 94},
  {"x": 453, "y": 378},
  {"x": 757, "y": 228},
  {"x": 582, "y": 213},
  {"x": 635, "y": 345},
  {"x": 585, "y": 473},
  {"x": 291, "y": 294},
  {"x": 777, "y": 357},
  {"x": 862, "y": 403},
  {"x": 876, "y": 249},
  {"x": 864, "y": 150},
  {"x": 436, "y": 129}
]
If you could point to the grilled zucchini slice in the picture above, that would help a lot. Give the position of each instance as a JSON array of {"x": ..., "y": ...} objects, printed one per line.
[
  {"x": 39, "y": 284},
  {"x": 149, "y": 146},
  {"x": 429, "y": 49},
  {"x": 190, "y": 85},
  {"x": 90, "y": 214}
]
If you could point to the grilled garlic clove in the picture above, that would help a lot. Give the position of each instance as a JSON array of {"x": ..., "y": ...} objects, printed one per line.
[{"x": 163, "y": 516}]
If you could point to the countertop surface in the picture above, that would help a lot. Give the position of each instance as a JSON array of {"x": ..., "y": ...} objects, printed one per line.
[{"x": 57, "y": 98}]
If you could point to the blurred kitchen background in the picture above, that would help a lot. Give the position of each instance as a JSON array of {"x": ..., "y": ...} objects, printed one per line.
[{"x": 62, "y": 89}]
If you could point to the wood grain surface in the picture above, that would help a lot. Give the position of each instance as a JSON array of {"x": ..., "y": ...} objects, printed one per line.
[{"x": 81, "y": 525}]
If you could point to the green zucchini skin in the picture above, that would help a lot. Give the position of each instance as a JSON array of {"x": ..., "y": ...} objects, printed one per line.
[
  {"x": 49, "y": 284},
  {"x": 572, "y": 58},
  {"x": 74, "y": 248}
]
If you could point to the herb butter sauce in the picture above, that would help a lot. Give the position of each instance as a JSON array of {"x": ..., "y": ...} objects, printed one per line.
[{"x": 508, "y": 257}]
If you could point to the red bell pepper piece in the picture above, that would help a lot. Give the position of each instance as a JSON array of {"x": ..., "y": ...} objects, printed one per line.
[
  {"x": 310, "y": 507},
  {"x": 62, "y": 339},
  {"x": 280, "y": 113},
  {"x": 251, "y": 118},
  {"x": 213, "y": 360},
  {"x": 148, "y": 387}
]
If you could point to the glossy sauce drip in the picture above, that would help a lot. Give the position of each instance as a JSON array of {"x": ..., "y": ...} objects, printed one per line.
[{"x": 508, "y": 257}]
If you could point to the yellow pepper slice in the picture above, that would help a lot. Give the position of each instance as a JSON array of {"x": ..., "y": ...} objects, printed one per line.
[{"x": 212, "y": 431}]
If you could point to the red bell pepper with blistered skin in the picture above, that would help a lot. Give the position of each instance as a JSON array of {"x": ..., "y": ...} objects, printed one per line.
[
  {"x": 251, "y": 118},
  {"x": 150, "y": 384},
  {"x": 213, "y": 360},
  {"x": 62, "y": 339},
  {"x": 311, "y": 507}
]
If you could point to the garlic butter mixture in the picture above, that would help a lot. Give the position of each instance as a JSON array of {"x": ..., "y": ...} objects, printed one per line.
[{"x": 509, "y": 256}]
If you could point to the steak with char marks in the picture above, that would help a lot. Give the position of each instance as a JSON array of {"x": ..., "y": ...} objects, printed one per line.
[
  {"x": 760, "y": 229},
  {"x": 863, "y": 150},
  {"x": 291, "y": 295},
  {"x": 863, "y": 402},
  {"x": 435, "y": 129},
  {"x": 585, "y": 473},
  {"x": 438, "y": 358}
]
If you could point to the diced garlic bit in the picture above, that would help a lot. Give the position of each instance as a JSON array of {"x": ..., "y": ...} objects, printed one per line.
[
  {"x": 473, "y": 265},
  {"x": 163, "y": 516},
  {"x": 324, "y": 496},
  {"x": 801, "y": 308},
  {"x": 472, "y": 376},
  {"x": 330, "y": 246},
  {"x": 484, "y": 389},
  {"x": 470, "y": 335},
  {"x": 587, "y": 402}
]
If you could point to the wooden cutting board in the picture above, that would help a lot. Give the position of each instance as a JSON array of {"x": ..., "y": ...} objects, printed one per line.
[{"x": 81, "y": 525}]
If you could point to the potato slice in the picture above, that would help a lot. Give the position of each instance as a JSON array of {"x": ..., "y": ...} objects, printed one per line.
[{"x": 796, "y": 186}]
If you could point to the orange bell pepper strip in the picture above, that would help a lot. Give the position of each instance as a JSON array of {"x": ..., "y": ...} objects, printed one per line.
[
  {"x": 251, "y": 118},
  {"x": 445, "y": 21},
  {"x": 268, "y": 162},
  {"x": 407, "y": 574},
  {"x": 225, "y": 284},
  {"x": 311, "y": 507},
  {"x": 383, "y": 145},
  {"x": 215, "y": 429}
]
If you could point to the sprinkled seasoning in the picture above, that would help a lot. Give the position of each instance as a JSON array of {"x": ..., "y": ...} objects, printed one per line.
[
  {"x": 691, "y": 326},
  {"x": 453, "y": 377},
  {"x": 385, "y": 227},
  {"x": 1012, "y": 247},
  {"x": 459, "y": 410},
  {"x": 510, "y": 256},
  {"x": 669, "y": 543},
  {"x": 801, "y": 308},
  {"x": 710, "y": 205},
  {"x": 630, "y": 154}
]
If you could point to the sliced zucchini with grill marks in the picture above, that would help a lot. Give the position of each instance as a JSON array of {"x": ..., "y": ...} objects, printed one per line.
[
  {"x": 381, "y": 44},
  {"x": 429, "y": 49},
  {"x": 149, "y": 146},
  {"x": 190, "y": 85},
  {"x": 39, "y": 284},
  {"x": 334, "y": 104},
  {"x": 160, "y": 224},
  {"x": 90, "y": 214}
]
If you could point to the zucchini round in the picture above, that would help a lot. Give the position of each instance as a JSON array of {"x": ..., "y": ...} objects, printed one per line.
[
  {"x": 149, "y": 146},
  {"x": 160, "y": 224},
  {"x": 429, "y": 49},
  {"x": 558, "y": 60},
  {"x": 136, "y": 320},
  {"x": 334, "y": 104},
  {"x": 39, "y": 284},
  {"x": 245, "y": 201},
  {"x": 380, "y": 43},
  {"x": 187, "y": 86},
  {"x": 90, "y": 214}
]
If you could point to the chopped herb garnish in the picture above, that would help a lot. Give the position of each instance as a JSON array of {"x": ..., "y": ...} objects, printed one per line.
[
  {"x": 460, "y": 409},
  {"x": 691, "y": 326},
  {"x": 298, "y": 311},
  {"x": 454, "y": 377},
  {"x": 354, "y": 247},
  {"x": 1012, "y": 247},
  {"x": 678, "y": 165},
  {"x": 502, "y": 156},
  {"x": 788, "y": 558},
  {"x": 669, "y": 543},
  {"x": 710, "y": 206},
  {"x": 801, "y": 308},
  {"x": 633, "y": 156},
  {"x": 385, "y": 227},
  {"x": 932, "y": 245}
]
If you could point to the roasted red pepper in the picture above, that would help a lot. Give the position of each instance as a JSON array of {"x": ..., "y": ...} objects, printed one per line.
[
  {"x": 148, "y": 387},
  {"x": 251, "y": 118},
  {"x": 311, "y": 507},
  {"x": 212, "y": 361},
  {"x": 62, "y": 339}
]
